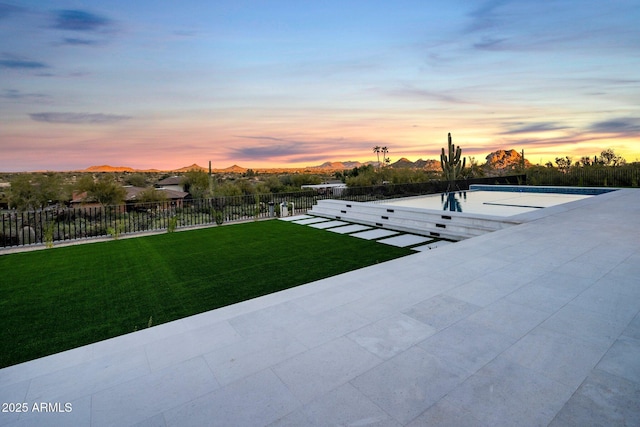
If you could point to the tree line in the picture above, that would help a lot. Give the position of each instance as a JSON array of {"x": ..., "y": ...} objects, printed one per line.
[
  {"x": 35, "y": 191},
  {"x": 40, "y": 190}
]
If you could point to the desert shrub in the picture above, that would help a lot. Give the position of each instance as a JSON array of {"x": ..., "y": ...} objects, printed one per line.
[
  {"x": 114, "y": 231},
  {"x": 219, "y": 217},
  {"x": 173, "y": 224},
  {"x": 48, "y": 235}
]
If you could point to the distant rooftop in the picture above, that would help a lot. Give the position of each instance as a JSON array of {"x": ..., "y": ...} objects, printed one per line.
[{"x": 172, "y": 180}]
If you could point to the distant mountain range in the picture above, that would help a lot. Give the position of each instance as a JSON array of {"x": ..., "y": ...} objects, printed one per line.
[
  {"x": 230, "y": 169},
  {"x": 326, "y": 166},
  {"x": 107, "y": 168},
  {"x": 402, "y": 163},
  {"x": 499, "y": 159},
  {"x": 339, "y": 165}
]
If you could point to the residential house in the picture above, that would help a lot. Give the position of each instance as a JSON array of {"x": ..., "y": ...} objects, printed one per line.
[
  {"x": 171, "y": 183},
  {"x": 329, "y": 188},
  {"x": 175, "y": 197}
]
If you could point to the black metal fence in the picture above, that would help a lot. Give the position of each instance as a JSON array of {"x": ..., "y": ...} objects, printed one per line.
[
  {"x": 387, "y": 191},
  {"x": 56, "y": 225},
  {"x": 67, "y": 224},
  {"x": 590, "y": 176}
]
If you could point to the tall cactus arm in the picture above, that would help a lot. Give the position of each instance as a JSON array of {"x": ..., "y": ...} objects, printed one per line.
[
  {"x": 451, "y": 164},
  {"x": 443, "y": 160}
]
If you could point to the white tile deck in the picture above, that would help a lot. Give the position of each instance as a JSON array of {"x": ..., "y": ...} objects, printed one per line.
[
  {"x": 374, "y": 234},
  {"x": 349, "y": 228},
  {"x": 312, "y": 220},
  {"x": 295, "y": 217},
  {"x": 404, "y": 240},
  {"x": 536, "y": 324},
  {"x": 329, "y": 224}
]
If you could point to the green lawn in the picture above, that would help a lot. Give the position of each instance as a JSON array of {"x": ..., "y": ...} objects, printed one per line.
[{"x": 57, "y": 299}]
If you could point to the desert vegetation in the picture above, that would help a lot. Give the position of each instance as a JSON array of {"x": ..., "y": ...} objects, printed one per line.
[
  {"x": 32, "y": 191},
  {"x": 38, "y": 204}
]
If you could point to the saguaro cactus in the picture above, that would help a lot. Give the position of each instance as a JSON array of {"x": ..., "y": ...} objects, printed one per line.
[{"x": 451, "y": 164}]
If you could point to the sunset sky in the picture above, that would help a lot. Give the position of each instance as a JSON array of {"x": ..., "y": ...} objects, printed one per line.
[{"x": 259, "y": 83}]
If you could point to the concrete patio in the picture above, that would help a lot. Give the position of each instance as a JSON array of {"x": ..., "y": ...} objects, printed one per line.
[{"x": 535, "y": 324}]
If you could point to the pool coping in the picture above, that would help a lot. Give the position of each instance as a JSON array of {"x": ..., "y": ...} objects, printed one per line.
[{"x": 526, "y": 216}]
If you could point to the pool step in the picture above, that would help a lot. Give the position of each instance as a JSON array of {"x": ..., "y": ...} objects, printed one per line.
[
  {"x": 441, "y": 224},
  {"x": 381, "y": 235}
]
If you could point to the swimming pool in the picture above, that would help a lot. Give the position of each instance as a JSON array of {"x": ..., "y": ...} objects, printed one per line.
[{"x": 497, "y": 200}]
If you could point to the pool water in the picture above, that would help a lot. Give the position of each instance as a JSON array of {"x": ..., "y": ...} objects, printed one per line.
[{"x": 498, "y": 203}]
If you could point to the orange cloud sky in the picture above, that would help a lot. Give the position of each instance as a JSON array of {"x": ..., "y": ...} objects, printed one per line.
[{"x": 293, "y": 85}]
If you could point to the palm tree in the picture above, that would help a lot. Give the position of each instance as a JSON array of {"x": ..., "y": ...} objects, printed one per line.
[
  {"x": 385, "y": 150},
  {"x": 376, "y": 150}
]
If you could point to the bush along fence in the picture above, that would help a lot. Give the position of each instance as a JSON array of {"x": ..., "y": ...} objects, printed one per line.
[
  {"x": 388, "y": 191},
  {"x": 52, "y": 225},
  {"x": 590, "y": 176},
  {"x": 67, "y": 224}
]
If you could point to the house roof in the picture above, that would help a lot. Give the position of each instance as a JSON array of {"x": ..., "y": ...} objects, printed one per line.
[
  {"x": 134, "y": 192},
  {"x": 340, "y": 185},
  {"x": 173, "y": 194},
  {"x": 172, "y": 180},
  {"x": 79, "y": 197}
]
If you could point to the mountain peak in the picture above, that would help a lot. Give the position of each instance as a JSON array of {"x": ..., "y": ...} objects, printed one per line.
[
  {"x": 505, "y": 159},
  {"x": 235, "y": 168},
  {"x": 190, "y": 168},
  {"x": 107, "y": 168}
]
